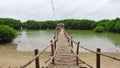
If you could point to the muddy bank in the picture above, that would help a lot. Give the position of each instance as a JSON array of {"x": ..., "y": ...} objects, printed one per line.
[
  {"x": 9, "y": 46},
  {"x": 14, "y": 59}
]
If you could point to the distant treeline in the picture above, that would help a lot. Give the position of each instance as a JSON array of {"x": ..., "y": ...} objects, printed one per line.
[{"x": 76, "y": 24}]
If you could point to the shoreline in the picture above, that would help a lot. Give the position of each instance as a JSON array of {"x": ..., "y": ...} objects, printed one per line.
[{"x": 14, "y": 59}]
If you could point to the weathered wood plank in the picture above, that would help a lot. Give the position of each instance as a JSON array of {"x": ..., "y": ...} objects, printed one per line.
[{"x": 63, "y": 58}]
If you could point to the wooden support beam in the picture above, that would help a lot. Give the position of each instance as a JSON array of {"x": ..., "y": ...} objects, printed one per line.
[
  {"x": 55, "y": 45},
  {"x": 77, "y": 52},
  {"x": 71, "y": 43},
  {"x": 98, "y": 58},
  {"x": 52, "y": 51},
  {"x": 36, "y": 51}
]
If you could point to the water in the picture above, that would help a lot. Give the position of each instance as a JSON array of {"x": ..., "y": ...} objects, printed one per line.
[
  {"x": 32, "y": 39},
  {"x": 108, "y": 42}
]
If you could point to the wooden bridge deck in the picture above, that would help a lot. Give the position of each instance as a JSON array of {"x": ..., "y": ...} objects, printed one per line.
[{"x": 63, "y": 58}]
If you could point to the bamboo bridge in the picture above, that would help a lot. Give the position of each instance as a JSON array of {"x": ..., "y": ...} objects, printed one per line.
[{"x": 63, "y": 54}]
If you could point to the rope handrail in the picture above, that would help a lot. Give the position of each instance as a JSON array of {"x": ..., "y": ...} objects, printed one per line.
[
  {"x": 29, "y": 62},
  {"x": 48, "y": 62},
  {"x": 79, "y": 58},
  {"x": 117, "y": 59},
  {"x": 70, "y": 38}
]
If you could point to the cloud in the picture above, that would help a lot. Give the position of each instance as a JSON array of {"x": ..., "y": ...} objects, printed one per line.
[
  {"x": 79, "y": 8},
  {"x": 41, "y": 9}
]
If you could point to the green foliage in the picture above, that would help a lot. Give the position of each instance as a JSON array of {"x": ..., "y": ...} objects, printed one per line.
[
  {"x": 103, "y": 23},
  {"x": 98, "y": 29},
  {"x": 16, "y": 24},
  {"x": 83, "y": 24},
  {"x": 31, "y": 24},
  {"x": 117, "y": 26},
  {"x": 7, "y": 34},
  {"x": 110, "y": 26},
  {"x": 76, "y": 24},
  {"x": 86, "y": 24},
  {"x": 69, "y": 24},
  {"x": 48, "y": 24}
]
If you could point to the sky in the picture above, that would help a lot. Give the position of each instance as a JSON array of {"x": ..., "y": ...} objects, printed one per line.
[{"x": 64, "y": 9}]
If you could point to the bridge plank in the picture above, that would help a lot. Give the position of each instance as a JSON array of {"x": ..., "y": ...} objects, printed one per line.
[{"x": 63, "y": 58}]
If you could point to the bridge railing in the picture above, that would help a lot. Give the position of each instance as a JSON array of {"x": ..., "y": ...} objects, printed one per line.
[
  {"x": 98, "y": 52},
  {"x": 78, "y": 58},
  {"x": 50, "y": 60},
  {"x": 36, "y": 58},
  {"x": 38, "y": 54}
]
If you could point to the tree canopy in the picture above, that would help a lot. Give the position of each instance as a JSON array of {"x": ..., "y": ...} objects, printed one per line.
[
  {"x": 79, "y": 24},
  {"x": 16, "y": 24},
  {"x": 7, "y": 34}
]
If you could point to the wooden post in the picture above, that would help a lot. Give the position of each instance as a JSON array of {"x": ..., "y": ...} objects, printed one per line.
[
  {"x": 68, "y": 38},
  {"x": 77, "y": 52},
  {"x": 57, "y": 33},
  {"x": 98, "y": 58},
  {"x": 71, "y": 43},
  {"x": 54, "y": 36},
  {"x": 55, "y": 44},
  {"x": 36, "y": 51},
  {"x": 52, "y": 50}
]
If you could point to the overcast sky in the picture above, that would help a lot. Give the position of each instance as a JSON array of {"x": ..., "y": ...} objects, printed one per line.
[{"x": 64, "y": 9}]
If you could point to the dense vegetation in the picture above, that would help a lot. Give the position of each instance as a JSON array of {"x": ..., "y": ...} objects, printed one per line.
[
  {"x": 7, "y": 34},
  {"x": 79, "y": 24},
  {"x": 83, "y": 24},
  {"x": 16, "y": 24},
  {"x": 32, "y": 24},
  {"x": 98, "y": 29}
]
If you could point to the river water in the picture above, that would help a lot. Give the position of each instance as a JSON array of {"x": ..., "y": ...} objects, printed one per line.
[{"x": 32, "y": 39}]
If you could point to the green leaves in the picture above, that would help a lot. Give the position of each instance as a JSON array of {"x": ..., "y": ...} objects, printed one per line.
[
  {"x": 7, "y": 34},
  {"x": 117, "y": 26},
  {"x": 16, "y": 24},
  {"x": 77, "y": 24},
  {"x": 83, "y": 24},
  {"x": 32, "y": 24},
  {"x": 99, "y": 29}
]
